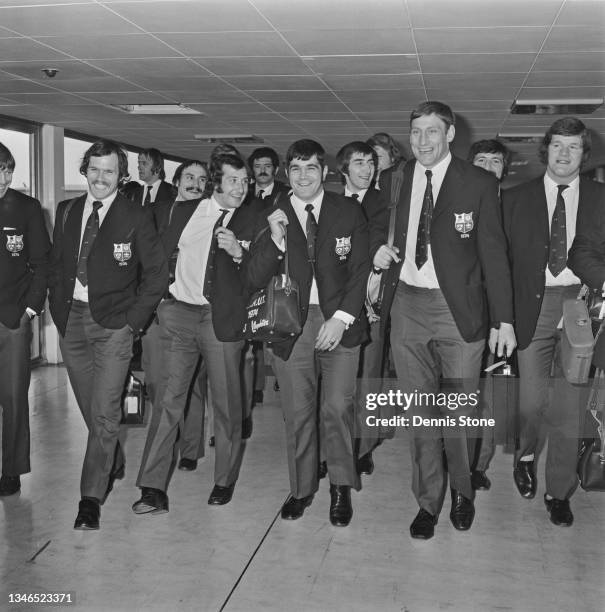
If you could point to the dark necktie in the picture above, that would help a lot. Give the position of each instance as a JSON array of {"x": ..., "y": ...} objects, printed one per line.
[
  {"x": 557, "y": 256},
  {"x": 90, "y": 233},
  {"x": 261, "y": 194},
  {"x": 147, "y": 199},
  {"x": 311, "y": 233},
  {"x": 424, "y": 224},
  {"x": 355, "y": 196},
  {"x": 211, "y": 255}
]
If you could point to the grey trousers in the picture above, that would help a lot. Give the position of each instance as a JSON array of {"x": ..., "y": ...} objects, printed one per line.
[
  {"x": 431, "y": 356},
  {"x": 15, "y": 371},
  {"x": 97, "y": 361},
  {"x": 298, "y": 379},
  {"x": 550, "y": 400},
  {"x": 191, "y": 333}
]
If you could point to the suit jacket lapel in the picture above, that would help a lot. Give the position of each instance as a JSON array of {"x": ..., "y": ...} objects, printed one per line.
[
  {"x": 403, "y": 204},
  {"x": 181, "y": 214},
  {"x": 72, "y": 228},
  {"x": 453, "y": 183},
  {"x": 327, "y": 217}
]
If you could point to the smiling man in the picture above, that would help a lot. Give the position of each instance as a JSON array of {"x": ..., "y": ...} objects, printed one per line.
[
  {"x": 448, "y": 279},
  {"x": 540, "y": 223},
  {"x": 108, "y": 272},
  {"x": 328, "y": 258},
  {"x": 153, "y": 188}
]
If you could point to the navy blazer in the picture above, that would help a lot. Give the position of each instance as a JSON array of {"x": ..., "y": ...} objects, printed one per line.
[
  {"x": 527, "y": 230},
  {"x": 134, "y": 191},
  {"x": 24, "y": 257},
  {"x": 471, "y": 265},
  {"x": 342, "y": 263},
  {"x": 127, "y": 269}
]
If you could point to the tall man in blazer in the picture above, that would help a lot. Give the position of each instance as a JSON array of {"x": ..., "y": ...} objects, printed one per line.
[
  {"x": 152, "y": 173},
  {"x": 540, "y": 223},
  {"x": 24, "y": 251},
  {"x": 328, "y": 257},
  {"x": 449, "y": 251},
  {"x": 108, "y": 272},
  {"x": 204, "y": 317}
]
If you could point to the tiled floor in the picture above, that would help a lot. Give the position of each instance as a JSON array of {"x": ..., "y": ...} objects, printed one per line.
[{"x": 243, "y": 557}]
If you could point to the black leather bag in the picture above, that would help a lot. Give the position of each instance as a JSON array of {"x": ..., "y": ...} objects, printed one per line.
[
  {"x": 273, "y": 313},
  {"x": 591, "y": 463},
  {"x": 133, "y": 401}
]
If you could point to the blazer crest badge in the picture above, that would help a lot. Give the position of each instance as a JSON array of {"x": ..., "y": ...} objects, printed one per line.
[
  {"x": 14, "y": 244},
  {"x": 122, "y": 252},
  {"x": 343, "y": 247},
  {"x": 464, "y": 223}
]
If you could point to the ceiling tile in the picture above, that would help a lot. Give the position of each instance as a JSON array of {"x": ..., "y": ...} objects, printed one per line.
[
  {"x": 473, "y": 92},
  {"x": 292, "y": 83},
  {"x": 373, "y": 81},
  {"x": 186, "y": 16},
  {"x": 446, "y": 63},
  {"x": 582, "y": 12},
  {"x": 351, "y": 42},
  {"x": 478, "y": 40},
  {"x": 576, "y": 38},
  {"x": 24, "y": 49},
  {"x": 126, "y": 97},
  {"x": 221, "y": 44},
  {"x": 319, "y": 95},
  {"x": 59, "y": 20},
  {"x": 364, "y": 64},
  {"x": 255, "y": 66},
  {"x": 565, "y": 79},
  {"x": 573, "y": 91},
  {"x": 309, "y": 107},
  {"x": 67, "y": 70},
  {"x": 206, "y": 95},
  {"x": 167, "y": 69},
  {"x": 570, "y": 61},
  {"x": 468, "y": 82}
]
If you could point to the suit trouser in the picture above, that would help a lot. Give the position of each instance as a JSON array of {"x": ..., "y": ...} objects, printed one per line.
[
  {"x": 486, "y": 443},
  {"x": 550, "y": 400},
  {"x": 191, "y": 333},
  {"x": 191, "y": 427},
  {"x": 97, "y": 361},
  {"x": 15, "y": 354},
  {"x": 430, "y": 355},
  {"x": 298, "y": 379}
]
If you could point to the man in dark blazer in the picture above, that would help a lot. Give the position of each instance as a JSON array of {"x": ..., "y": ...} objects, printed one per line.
[
  {"x": 328, "y": 257},
  {"x": 205, "y": 317},
  {"x": 540, "y": 223},
  {"x": 264, "y": 164},
  {"x": 23, "y": 276},
  {"x": 357, "y": 162},
  {"x": 108, "y": 272},
  {"x": 152, "y": 173},
  {"x": 449, "y": 251}
]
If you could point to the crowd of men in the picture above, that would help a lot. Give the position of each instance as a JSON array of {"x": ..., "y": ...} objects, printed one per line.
[{"x": 425, "y": 261}]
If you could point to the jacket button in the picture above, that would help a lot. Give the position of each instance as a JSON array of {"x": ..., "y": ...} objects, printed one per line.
[{"x": 538, "y": 295}]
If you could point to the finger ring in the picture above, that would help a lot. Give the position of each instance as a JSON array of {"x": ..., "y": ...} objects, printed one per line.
[{"x": 332, "y": 341}]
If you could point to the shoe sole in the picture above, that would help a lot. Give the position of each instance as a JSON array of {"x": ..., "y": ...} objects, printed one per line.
[
  {"x": 144, "y": 509},
  {"x": 86, "y": 527}
]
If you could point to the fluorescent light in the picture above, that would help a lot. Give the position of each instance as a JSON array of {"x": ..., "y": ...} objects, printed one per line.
[
  {"x": 557, "y": 106},
  {"x": 229, "y": 138},
  {"x": 520, "y": 137},
  {"x": 156, "y": 109}
]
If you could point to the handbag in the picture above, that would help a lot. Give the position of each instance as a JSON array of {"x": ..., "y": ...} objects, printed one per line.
[
  {"x": 133, "y": 402},
  {"x": 591, "y": 462},
  {"x": 273, "y": 313},
  {"x": 577, "y": 342}
]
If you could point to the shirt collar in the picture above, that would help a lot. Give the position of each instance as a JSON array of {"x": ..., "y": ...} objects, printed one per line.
[
  {"x": 439, "y": 169},
  {"x": 266, "y": 190},
  {"x": 316, "y": 202},
  {"x": 360, "y": 194},
  {"x": 107, "y": 202},
  {"x": 550, "y": 185}
]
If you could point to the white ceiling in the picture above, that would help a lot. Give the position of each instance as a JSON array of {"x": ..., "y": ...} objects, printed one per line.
[{"x": 332, "y": 70}]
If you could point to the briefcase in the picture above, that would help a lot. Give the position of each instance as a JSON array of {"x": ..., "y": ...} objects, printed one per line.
[
  {"x": 133, "y": 402},
  {"x": 577, "y": 342},
  {"x": 591, "y": 460}
]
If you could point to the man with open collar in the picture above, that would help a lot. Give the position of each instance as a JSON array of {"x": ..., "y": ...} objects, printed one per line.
[
  {"x": 447, "y": 280},
  {"x": 108, "y": 272}
]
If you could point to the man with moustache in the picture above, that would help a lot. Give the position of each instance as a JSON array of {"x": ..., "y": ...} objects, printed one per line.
[
  {"x": 108, "y": 272},
  {"x": 151, "y": 172},
  {"x": 328, "y": 257},
  {"x": 264, "y": 164},
  {"x": 204, "y": 316},
  {"x": 449, "y": 251},
  {"x": 357, "y": 162},
  {"x": 190, "y": 180},
  {"x": 23, "y": 279},
  {"x": 540, "y": 223}
]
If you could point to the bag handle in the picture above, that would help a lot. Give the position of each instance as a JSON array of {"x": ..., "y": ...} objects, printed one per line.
[{"x": 396, "y": 184}]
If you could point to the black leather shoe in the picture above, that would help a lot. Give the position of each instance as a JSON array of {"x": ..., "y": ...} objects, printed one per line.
[
  {"x": 9, "y": 485},
  {"x": 258, "y": 397},
  {"x": 246, "y": 428},
  {"x": 365, "y": 464},
  {"x": 187, "y": 465},
  {"x": 211, "y": 441},
  {"x": 480, "y": 481},
  {"x": 322, "y": 471},
  {"x": 294, "y": 507},
  {"x": 462, "y": 512},
  {"x": 89, "y": 512},
  {"x": 423, "y": 526},
  {"x": 560, "y": 512},
  {"x": 524, "y": 475},
  {"x": 341, "y": 510},
  {"x": 276, "y": 386},
  {"x": 117, "y": 474},
  {"x": 153, "y": 501},
  {"x": 221, "y": 495}
]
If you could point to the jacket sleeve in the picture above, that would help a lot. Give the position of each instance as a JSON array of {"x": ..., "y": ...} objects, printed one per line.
[
  {"x": 55, "y": 277},
  {"x": 39, "y": 258},
  {"x": 587, "y": 255}
]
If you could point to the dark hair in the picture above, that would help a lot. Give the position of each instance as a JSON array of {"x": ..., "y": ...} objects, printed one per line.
[
  {"x": 568, "y": 126},
  {"x": 305, "y": 149},
  {"x": 176, "y": 179},
  {"x": 491, "y": 146},
  {"x": 264, "y": 152},
  {"x": 382, "y": 139},
  {"x": 218, "y": 162},
  {"x": 157, "y": 161},
  {"x": 343, "y": 157},
  {"x": 7, "y": 161},
  {"x": 224, "y": 149},
  {"x": 101, "y": 148},
  {"x": 432, "y": 107}
]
